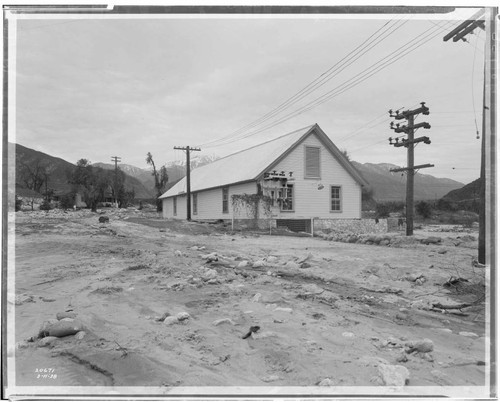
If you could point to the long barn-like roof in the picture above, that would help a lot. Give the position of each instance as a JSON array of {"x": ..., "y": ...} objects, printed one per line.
[{"x": 251, "y": 163}]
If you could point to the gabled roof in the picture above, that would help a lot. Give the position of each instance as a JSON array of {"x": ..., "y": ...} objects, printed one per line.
[{"x": 251, "y": 163}]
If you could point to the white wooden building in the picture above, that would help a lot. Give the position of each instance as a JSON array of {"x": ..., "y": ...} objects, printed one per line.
[{"x": 302, "y": 175}]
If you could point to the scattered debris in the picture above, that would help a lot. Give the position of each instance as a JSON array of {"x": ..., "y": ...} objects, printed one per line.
[
  {"x": 422, "y": 346},
  {"x": 397, "y": 376},
  {"x": 251, "y": 331},
  {"x": 66, "y": 314},
  {"x": 103, "y": 219},
  {"x": 327, "y": 382},
  {"x": 60, "y": 328},
  {"x": 468, "y": 334},
  {"x": 23, "y": 298},
  {"x": 223, "y": 321}
]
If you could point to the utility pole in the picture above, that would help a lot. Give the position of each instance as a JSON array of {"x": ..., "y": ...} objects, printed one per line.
[
  {"x": 116, "y": 159},
  {"x": 188, "y": 150},
  {"x": 485, "y": 19},
  {"x": 409, "y": 143}
]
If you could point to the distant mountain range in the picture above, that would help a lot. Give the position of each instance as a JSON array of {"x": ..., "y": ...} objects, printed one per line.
[
  {"x": 386, "y": 186},
  {"x": 389, "y": 186}
]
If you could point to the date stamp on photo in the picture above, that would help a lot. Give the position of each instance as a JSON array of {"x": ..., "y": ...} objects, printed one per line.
[{"x": 46, "y": 373}]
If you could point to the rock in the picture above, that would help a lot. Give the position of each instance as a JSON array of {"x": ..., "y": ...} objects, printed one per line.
[
  {"x": 60, "y": 328},
  {"x": 103, "y": 219},
  {"x": 396, "y": 376},
  {"x": 442, "y": 251},
  {"x": 162, "y": 317},
  {"x": 271, "y": 378},
  {"x": 348, "y": 334},
  {"x": 422, "y": 304},
  {"x": 272, "y": 259},
  {"x": 402, "y": 358},
  {"x": 65, "y": 314},
  {"x": 392, "y": 342},
  {"x": 284, "y": 309},
  {"x": 242, "y": 264},
  {"x": 80, "y": 335},
  {"x": 431, "y": 240},
  {"x": 414, "y": 277},
  {"x": 24, "y": 298},
  {"x": 22, "y": 345},
  {"x": 223, "y": 321},
  {"x": 47, "y": 341},
  {"x": 372, "y": 278},
  {"x": 468, "y": 334},
  {"x": 292, "y": 265},
  {"x": 422, "y": 346},
  {"x": 210, "y": 257},
  {"x": 170, "y": 320},
  {"x": 269, "y": 273},
  {"x": 385, "y": 242},
  {"x": 213, "y": 281},
  {"x": 67, "y": 319},
  {"x": 177, "y": 285},
  {"x": 178, "y": 253},
  {"x": 209, "y": 274},
  {"x": 311, "y": 289},
  {"x": 305, "y": 258},
  {"x": 447, "y": 330},
  {"x": 327, "y": 382},
  {"x": 183, "y": 316},
  {"x": 259, "y": 264},
  {"x": 256, "y": 298}
]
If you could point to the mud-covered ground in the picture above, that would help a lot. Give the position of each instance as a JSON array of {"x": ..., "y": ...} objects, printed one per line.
[{"x": 330, "y": 314}]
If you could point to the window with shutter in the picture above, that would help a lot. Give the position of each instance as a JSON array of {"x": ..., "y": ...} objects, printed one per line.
[{"x": 312, "y": 165}]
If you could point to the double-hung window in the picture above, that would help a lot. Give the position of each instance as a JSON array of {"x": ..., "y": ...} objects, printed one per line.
[
  {"x": 225, "y": 200},
  {"x": 175, "y": 205},
  {"x": 336, "y": 199},
  {"x": 312, "y": 163}
]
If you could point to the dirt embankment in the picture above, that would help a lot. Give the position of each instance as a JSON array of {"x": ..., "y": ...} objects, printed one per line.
[{"x": 168, "y": 304}]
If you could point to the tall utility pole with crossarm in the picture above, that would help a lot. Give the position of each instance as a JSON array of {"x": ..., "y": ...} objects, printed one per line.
[
  {"x": 409, "y": 143},
  {"x": 188, "y": 149},
  {"x": 485, "y": 19},
  {"x": 116, "y": 159}
]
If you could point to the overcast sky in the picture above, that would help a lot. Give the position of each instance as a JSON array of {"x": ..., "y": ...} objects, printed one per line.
[{"x": 95, "y": 88}]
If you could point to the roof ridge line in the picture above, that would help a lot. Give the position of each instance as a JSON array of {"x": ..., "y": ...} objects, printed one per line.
[{"x": 262, "y": 143}]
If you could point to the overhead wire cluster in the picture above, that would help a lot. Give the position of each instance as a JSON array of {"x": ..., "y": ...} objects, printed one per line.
[{"x": 277, "y": 116}]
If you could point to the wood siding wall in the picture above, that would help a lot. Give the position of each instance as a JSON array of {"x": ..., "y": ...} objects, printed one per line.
[
  {"x": 308, "y": 200},
  {"x": 209, "y": 203}
]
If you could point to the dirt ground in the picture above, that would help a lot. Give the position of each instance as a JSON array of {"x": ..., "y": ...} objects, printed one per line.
[{"x": 331, "y": 314}]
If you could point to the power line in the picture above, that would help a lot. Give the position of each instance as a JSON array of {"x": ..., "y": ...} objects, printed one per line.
[
  {"x": 356, "y": 80},
  {"x": 323, "y": 78}
]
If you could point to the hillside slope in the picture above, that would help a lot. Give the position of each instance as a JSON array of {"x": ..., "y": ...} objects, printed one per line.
[
  {"x": 389, "y": 186},
  {"x": 59, "y": 171}
]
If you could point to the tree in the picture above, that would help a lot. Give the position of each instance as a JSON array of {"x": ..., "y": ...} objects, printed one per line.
[
  {"x": 92, "y": 181},
  {"x": 346, "y": 154},
  {"x": 34, "y": 174},
  {"x": 424, "y": 209},
  {"x": 161, "y": 179}
]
